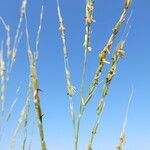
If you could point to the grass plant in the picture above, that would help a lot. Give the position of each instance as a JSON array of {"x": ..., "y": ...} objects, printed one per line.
[
  {"x": 102, "y": 62},
  {"x": 33, "y": 89}
]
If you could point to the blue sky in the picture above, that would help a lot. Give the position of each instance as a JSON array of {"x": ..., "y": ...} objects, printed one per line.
[{"x": 132, "y": 70}]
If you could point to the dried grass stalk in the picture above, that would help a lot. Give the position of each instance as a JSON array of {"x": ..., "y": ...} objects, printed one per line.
[
  {"x": 11, "y": 54},
  {"x": 70, "y": 87},
  {"x": 118, "y": 54},
  {"x": 30, "y": 87},
  {"x": 102, "y": 61},
  {"x": 32, "y": 133},
  {"x": 22, "y": 13},
  {"x": 15, "y": 133},
  {"x": 28, "y": 103},
  {"x": 23, "y": 115},
  {"x": 13, "y": 104},
  {"x": 35, "y": 86},
  {"x": 88, "y": 20},
  {"x": 103, "y": 54},
  {"x": 122, "y": 140}
]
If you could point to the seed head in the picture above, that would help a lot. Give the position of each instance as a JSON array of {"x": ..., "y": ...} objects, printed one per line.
[
  {"x": 121, "y": 53},
  {"x": 61, "y": 28},
  {"x": 90, "y": 20}
]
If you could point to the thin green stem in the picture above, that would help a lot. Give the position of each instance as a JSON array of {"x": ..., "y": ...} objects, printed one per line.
[
  {"x": 72, "y": 113},
  {"x": 28, "y": 103},
  {"x": 81, "y": 95},
  {"x": 93, "y": 133},
  {"x": 89, "y": 20},
  {"x": 40, "y": 124}
]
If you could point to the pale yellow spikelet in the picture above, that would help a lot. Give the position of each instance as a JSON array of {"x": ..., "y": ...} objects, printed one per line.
[
  {"x": 61, "y": 28},
  {"x": 121, "y": 51},
  {"x": 127, "y": 3}
]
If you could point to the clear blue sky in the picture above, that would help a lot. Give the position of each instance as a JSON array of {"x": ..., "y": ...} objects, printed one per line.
[{"x": 133, "y": 70}]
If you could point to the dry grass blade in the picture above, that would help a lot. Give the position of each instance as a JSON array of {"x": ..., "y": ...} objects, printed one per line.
[
  {"x": 11, "y": 54},
  {"x": 122, "y": 139},
  {"x": 28, "y": 102},
  {"x": 21, "y": 117},
  {"x": 13, "y": 104},
  {"x": 22, "y": 13},
  {"x": 17, "y": 38},
  {"x": 38, "y": 34},
  {"x": 14, "y": 53},
  {"x": 70, "y": 87},
  {"x": 32, "y": 133}
]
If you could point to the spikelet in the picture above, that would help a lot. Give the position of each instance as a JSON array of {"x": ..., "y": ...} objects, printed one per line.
[
  {"x": 89, "y": 11},
  {"x": 122, "y": 141},
  {"x": 70, "y": 87},
  {"x": 89, "y": 20},
  {"x": 127, "y": 3}
]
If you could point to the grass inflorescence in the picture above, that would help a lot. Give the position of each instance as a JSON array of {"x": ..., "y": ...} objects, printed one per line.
[
  {"x": 33, "y": 89},
  {"x": 119, "y": 53}
]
